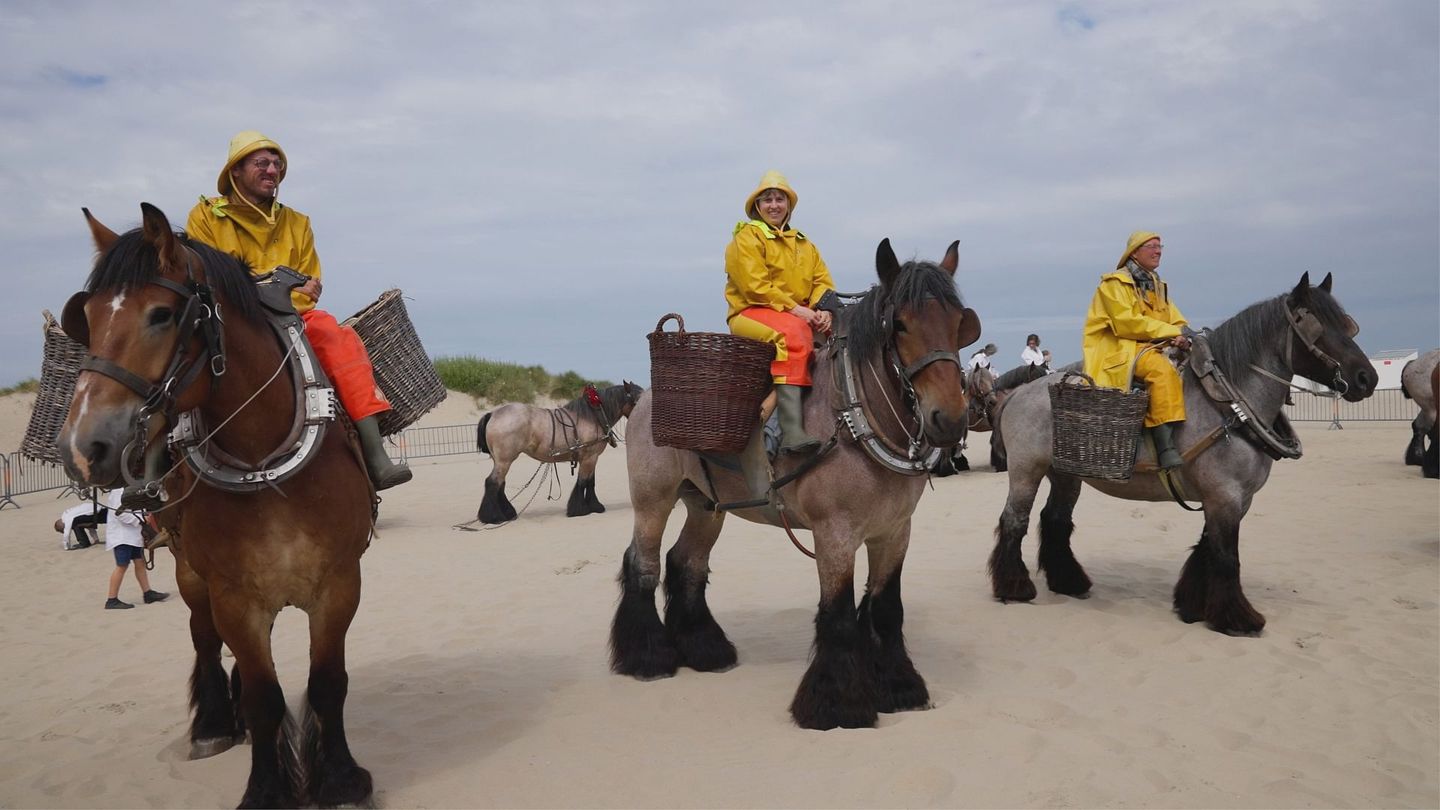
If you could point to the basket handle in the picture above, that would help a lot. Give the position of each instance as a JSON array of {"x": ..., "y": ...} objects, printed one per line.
[
  {"x": 681, "y": 321},
  {"x": 1065, "y": 378}
]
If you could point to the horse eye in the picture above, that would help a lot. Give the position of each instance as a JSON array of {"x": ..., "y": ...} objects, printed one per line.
[
  {"x": 160, "y": 315},
  {"x": 899, "y": 326}
]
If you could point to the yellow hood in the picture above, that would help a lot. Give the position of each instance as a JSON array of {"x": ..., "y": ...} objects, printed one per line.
[
  {"x": 1137, "y": 239},
  {"x": 242, "y": 146},
  {"x": 771, "y": 179}
]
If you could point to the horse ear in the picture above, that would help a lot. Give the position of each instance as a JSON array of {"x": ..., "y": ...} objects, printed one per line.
[
  {"x": 159, "y": 235},
  {"x": 1325, "y": 285},
  {"x": 969, "y": 326},
  {"x": 1302, "y": 290},
  {"x": 951, "y": 262},
  {"x": 104, "y": 237},
  {"x": 886, "y": 265}
]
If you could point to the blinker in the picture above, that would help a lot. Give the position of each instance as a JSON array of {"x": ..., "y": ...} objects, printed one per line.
[{"x": 72, "y": 319}]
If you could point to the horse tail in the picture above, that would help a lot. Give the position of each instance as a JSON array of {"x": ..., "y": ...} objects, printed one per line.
[{"x": 480, "y": 442}]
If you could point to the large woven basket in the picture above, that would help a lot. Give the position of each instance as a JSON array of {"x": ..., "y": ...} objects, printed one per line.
[
  {"x": 58, "y": 371},
  {"x": 705, "y": 388},
  {"x": 1095, "y": 429},
  {"x": 403, "y": 371}
]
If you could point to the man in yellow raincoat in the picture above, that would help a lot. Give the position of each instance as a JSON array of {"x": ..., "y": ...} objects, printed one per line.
[
  {"x": 247, "y": 221},
  {"x": 1131, "y": 310},
  {"x": 775, "y": 279}
]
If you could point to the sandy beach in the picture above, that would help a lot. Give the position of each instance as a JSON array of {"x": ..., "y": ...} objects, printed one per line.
[{"x": 479, "y": 678}]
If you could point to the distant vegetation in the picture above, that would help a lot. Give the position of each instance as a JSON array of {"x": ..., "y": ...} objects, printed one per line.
[
  {"x": 508, "y": 382},
  {"x": 23, "y": 387}
]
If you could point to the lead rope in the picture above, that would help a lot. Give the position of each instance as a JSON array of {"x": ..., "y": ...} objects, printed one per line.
[{"x": 552, "y": 495}]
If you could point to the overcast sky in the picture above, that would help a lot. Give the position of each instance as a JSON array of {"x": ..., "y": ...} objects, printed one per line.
[{"x": 546, "y": 180}]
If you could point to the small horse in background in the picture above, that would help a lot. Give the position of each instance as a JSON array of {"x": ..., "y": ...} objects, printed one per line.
[
  {"x": 987, "y": 394},
  {"x": 901, "y": 343},
  {"x": 159, "y": 350},
  {"x": 1304, "y": 332},
  {"x": 1420, "y": 381},
  {"x": 577, "y": 432}
]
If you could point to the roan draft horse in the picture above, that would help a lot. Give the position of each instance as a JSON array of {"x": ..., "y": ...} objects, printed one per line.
[
  {"x": 176, "y": 328},
  {"x": 903, "y": 336},
  {"x": 1304, "y": 332},
  {"x": 1420, "y": 381},
  {"x": 578, "y": 432}
]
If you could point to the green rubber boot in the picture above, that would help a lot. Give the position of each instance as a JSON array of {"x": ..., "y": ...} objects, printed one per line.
[
  {"x": 1165, "y": 453},
  {"x": 793, "y": 438},
  {"x": 383, "y": 472}
]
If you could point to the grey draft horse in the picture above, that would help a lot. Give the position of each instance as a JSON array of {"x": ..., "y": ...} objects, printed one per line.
[
  {"x": 577, "y": 431},
  {"x": 900, "y": 335},
  {"x": 1420, "y": 381},
  {"x": 1304, "y": 332}
]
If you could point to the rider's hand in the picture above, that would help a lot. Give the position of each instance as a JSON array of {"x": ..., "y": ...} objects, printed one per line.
[
  {"x": 310, "y": 289},
  {"x": 823, "y": 321},
  {"x": 804, "y": 313},
  {"x": 1180, "y": 342}
]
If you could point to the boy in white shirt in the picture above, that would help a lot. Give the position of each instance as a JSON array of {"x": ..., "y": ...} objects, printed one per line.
[
  {"x": 123, "y": 537},
  {"x": 1031, "y": 355}
]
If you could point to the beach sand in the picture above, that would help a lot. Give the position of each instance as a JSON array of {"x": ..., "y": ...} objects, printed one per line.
[{"x": 479, "y": 678}]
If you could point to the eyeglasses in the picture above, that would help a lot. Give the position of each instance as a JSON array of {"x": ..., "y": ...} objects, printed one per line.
[
  {"x": 265, "y": 163},
  {"x": 1156, "y": 246}
]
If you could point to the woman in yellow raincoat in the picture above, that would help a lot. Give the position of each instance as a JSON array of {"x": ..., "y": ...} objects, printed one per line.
[
  {"x": 1132, "y": 309},
  {"x": 774, "y": 280}
]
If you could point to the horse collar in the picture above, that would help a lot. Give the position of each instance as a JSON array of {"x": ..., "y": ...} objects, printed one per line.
[{"x": 918, "y": 459}]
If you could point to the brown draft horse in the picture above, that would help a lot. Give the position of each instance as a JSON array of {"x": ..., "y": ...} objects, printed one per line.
[
  {"x": 149, "y": 315},
  {"x": 903, "y": 337}
]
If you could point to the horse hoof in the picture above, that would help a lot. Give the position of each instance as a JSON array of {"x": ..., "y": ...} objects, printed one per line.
[{"x": 210, "y": 746}]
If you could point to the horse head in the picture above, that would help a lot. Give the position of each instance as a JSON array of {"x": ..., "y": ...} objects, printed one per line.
[
  {"x": 631, "y": 395},
  {"x": 1325, "y": 334},
  {"x": 927, "y": 325},
  {"x": 148, "y": 333}
]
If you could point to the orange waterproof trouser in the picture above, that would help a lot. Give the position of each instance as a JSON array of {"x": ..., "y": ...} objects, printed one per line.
[
  {"x": 346, "y": 363},
  {"x": 1167, "y": 397},
  {"x": 794, "y": 342}
]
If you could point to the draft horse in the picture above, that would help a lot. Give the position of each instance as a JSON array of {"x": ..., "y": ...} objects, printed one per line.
[
  {"x": 175, "y": 327},
  {"x": 1304, "y": 332},
  {"x": 903, "y": 336},
  {"x": 1420, "y": 381},
  {"x": 578, "y": 432}
]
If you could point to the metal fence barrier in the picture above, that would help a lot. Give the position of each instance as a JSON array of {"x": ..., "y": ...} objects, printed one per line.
[{"x": 24, "y": 475}]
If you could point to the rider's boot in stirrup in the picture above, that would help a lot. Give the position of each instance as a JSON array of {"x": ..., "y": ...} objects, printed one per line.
[
  {"x": 793, "y": 438},
  {"x": 383, "y": 472},
  {"x": 1165, "y": 453}
]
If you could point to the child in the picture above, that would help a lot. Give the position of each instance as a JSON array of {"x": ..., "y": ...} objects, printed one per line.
[
  {"x": 123, "y": 537},
  {"x": 77, "y": 524}
]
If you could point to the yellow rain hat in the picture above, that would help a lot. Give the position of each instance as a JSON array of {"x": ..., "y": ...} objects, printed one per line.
[
  {"x": 771, "y": 179},
  {"x": 1137, "y": 239},
  {"x": 242, "y": 146}
]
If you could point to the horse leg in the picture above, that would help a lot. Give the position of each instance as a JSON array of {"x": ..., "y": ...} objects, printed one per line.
[
  {"x": 1194, "y": 583},
  {"x": 1430, "y": 461},
  {"x": 275, "y": 776},
  {"x": 1415, "y": 451},
  {"x": 1063, "y": 573},
  {"x": 1009, "y": 578},
  {"x": 495, "y": 507},
  {"x": 639, "y": 645},
  {"x": 694, "y": 631},
  {"x": 997, "y": 457},
  {"x": 898, "y": 685},
  {"x": 839, "y": 688},
  {"x": 1226, "y": 608},
  {"x": 334, "y": 777},
  {"x": 583, "y": 500},
  {"x": 577, "y": 505},
  {"x": 214, "y": 728}
]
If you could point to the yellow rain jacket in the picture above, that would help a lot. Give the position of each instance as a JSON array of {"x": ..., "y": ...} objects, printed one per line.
[
  {"x": 1120, "y": 321},
  {"x": 775, "y": 269},
  {"x": 241, "y": 231}
]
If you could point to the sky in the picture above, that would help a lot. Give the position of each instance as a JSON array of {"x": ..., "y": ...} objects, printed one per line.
[{"x": 546, "y": 180}]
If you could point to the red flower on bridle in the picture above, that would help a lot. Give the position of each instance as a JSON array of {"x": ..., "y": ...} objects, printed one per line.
[{"x": 592, "y": 396}]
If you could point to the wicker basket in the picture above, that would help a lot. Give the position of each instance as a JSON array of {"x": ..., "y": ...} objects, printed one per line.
[
  {"x": 58, "y": 371},
  {"x": 1095, "y": 429},
  {"x": 705, "y": 388},
  {"x": 403, "y": 371}
]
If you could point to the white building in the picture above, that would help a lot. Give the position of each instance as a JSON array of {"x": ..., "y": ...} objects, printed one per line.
[{"x": 1389, "y": 364}]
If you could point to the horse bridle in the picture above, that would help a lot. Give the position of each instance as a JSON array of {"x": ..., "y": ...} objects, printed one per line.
[
  {"x": 907, "y": 374},
  {"x": 1306, "y": 326},
  {"x": 200, "y": 313}
]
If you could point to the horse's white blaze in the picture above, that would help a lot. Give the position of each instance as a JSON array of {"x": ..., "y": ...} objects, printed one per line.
[
  {"x": 117, "y": 302},
  {"x": 82, "y": 463}
]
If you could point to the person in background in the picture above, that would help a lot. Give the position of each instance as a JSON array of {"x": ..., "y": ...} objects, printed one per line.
[
  {"x": 1031, "y": 355},
  {"x": 981, "y": 359},
  {"x": 77, "y": 525},
  {"x": 247, "y": 221},
  {"x": 1045, "y": 354},
  {"x": 124, "y": 539},
  {"x": 775, "y": 280}
]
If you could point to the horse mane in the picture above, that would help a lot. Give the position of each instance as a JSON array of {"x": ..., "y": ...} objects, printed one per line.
[
  {"x": 1017, "y": 377},
  {"x": 612, "y": 398},
  {"x": 131, "y": 263},
  {"x": 865, "y": 319},
  {"x": 1235, "y": 341}
]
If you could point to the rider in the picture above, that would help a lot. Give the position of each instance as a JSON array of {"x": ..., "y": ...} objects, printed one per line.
[
  {"x": 1132, "y": 307},
  {"x": 775, "y": 279},
  {"x": 981, "y": 359},
  {"x": 247, "y": 220}
]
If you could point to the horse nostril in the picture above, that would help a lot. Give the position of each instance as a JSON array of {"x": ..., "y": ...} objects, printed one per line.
[{"x": 97, "y": 452}]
